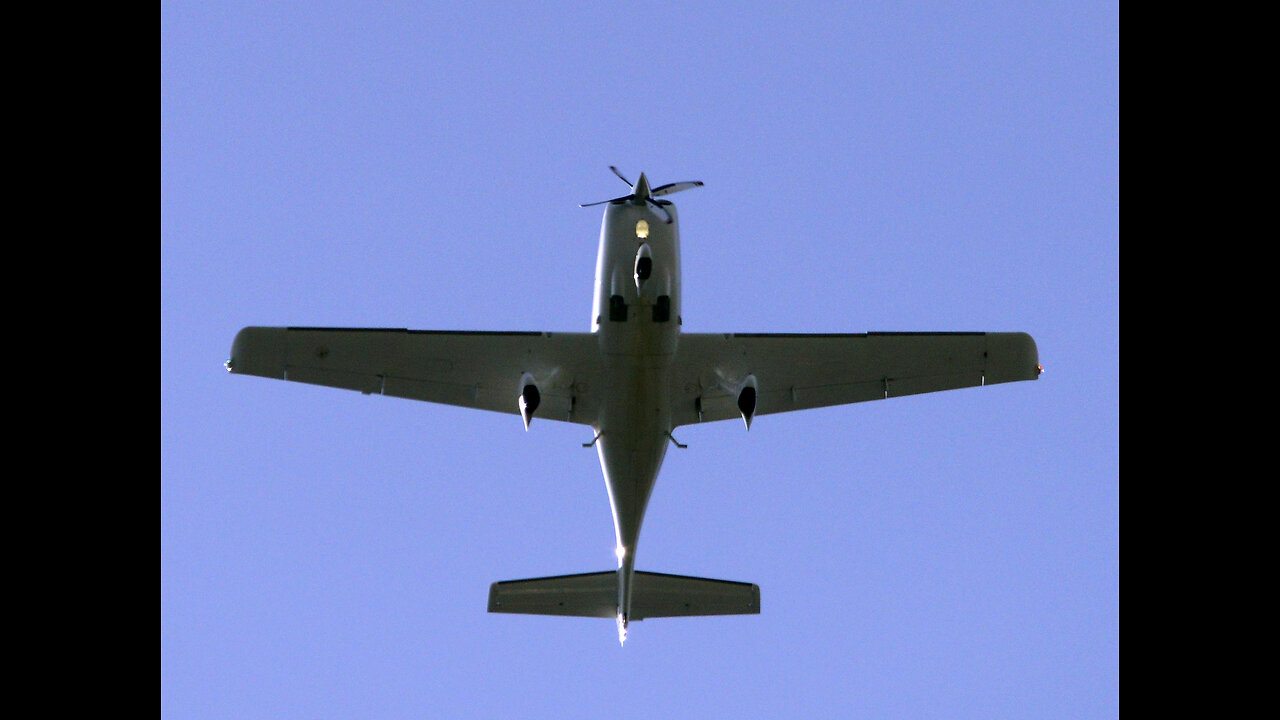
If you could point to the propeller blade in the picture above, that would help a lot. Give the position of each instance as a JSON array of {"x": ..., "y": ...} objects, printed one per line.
[
  {"x": 649, "y": 195},
  {"x": 620, "y": 176},
  {"x": 602, "y": 202},
  {"x": 674, "y": 187},
  {"x": 658, "y": 205}
]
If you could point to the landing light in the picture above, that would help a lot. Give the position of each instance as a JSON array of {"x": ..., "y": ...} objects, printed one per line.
[{"x": 642, "y": 229}]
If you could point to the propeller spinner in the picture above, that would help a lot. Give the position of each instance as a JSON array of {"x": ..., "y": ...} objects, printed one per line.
[{"x": 642, "y": 194}]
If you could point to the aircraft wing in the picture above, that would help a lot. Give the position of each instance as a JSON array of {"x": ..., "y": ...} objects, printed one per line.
[
  {"x": 797, "y": 372},
  {"x": 470, "y": 369}
]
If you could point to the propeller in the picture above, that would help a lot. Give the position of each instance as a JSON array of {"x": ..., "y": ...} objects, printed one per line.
[{"x": 642, "y": 194}]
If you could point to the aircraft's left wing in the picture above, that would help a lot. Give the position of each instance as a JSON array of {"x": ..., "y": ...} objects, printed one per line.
[
  {"x": 797, "y": 371},
  {"x": 470, "y": 369}
]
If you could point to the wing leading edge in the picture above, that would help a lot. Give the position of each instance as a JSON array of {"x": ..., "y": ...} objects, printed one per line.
[
  {"x": 798, "y": 372},
  {"x": 481, "y": 370}
]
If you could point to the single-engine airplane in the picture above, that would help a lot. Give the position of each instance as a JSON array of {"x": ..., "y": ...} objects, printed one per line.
[{"x": 633, "y": 379}]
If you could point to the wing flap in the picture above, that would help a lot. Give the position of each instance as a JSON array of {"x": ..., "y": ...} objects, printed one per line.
[{"x": 824, "y": 395}]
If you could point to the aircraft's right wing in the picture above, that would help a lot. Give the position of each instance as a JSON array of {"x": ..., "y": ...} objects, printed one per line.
[
  {"x": 796, "y": 372},
  {"x": 477, "y": 369}
]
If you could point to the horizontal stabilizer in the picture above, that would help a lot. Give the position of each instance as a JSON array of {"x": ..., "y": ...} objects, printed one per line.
[
  {"x": 584, "y": 595},
  {"x": 652, "y": 595},
  {"x": 659, "y": 595}
]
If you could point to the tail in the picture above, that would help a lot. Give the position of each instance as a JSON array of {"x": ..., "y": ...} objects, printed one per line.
[{"x": 652, "y": 595}]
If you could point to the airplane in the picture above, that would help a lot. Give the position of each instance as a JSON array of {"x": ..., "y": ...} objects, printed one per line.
[{"x": 634, "y": 378}]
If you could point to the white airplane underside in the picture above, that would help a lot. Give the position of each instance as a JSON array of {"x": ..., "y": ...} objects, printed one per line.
[{"x": 633, "y": 380}]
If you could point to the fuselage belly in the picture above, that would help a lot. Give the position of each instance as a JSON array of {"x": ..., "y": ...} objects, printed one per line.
[{"x": 636, "y": 316}]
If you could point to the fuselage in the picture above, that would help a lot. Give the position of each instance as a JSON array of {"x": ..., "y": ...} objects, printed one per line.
[{"x": 636, "y": 316}]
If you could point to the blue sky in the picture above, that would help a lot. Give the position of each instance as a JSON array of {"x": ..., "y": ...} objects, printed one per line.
[{"x": 878, "y": 166}]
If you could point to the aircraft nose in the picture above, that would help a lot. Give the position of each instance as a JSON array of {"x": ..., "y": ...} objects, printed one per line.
[{"x": 642, "y": 188}]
